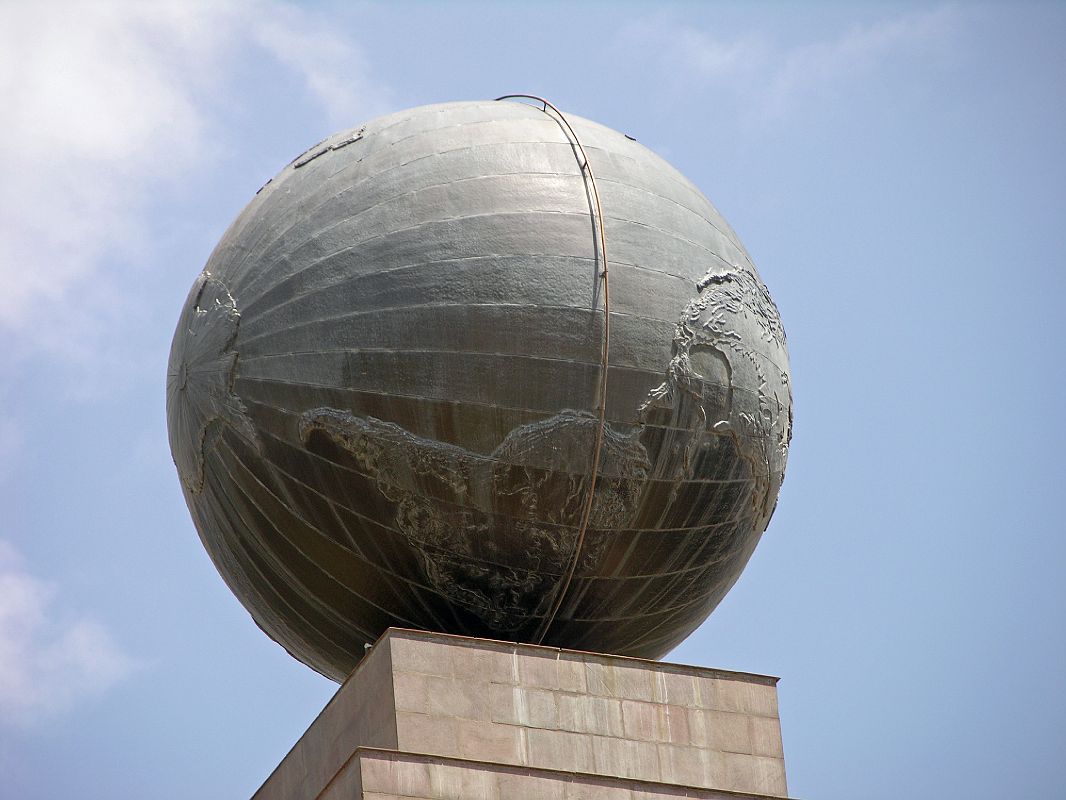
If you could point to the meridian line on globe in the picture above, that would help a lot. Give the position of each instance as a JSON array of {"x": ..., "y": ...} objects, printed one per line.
[{"x": 586, "y": 167}]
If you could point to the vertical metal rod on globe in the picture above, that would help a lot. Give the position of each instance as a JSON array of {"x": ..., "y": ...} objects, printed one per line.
[{"x": 586, "y": 512}]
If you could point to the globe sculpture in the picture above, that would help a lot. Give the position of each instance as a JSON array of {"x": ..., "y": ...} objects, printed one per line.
[{"x": 479, "y": 368}]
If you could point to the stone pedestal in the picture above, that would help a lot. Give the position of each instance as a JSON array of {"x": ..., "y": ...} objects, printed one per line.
[{"x": 433, "y": 716}]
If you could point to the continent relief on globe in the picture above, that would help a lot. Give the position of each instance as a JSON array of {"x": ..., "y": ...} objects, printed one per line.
[{"x": 384, "y": 391}]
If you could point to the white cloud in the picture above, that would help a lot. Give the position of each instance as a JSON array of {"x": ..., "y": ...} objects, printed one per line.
[
  {"x": 333, "y": 70},
  {"x": 92, "y": 99},
  {"x": 108, "y": 103},
  {"x": 772, "y": 80},
  {"x": 48, "y": 666}
]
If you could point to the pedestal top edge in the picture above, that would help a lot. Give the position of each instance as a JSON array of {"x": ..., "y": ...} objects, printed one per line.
[{"x": 539, "y": 649}]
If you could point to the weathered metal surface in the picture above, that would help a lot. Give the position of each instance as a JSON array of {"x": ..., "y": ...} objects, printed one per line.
[{"x": 383, "y": 391}]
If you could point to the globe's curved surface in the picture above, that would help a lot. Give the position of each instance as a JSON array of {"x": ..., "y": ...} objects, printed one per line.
[{"x": 383, "y": 397}]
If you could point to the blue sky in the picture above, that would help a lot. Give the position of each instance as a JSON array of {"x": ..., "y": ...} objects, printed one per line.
[{"x": 897, "y": 172}]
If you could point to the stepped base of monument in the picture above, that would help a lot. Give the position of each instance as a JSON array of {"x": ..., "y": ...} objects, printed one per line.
[{"x": 434, "y": 716}]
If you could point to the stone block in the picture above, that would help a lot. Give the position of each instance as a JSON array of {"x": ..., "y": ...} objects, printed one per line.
[
  {"x": 626, "y": 758},
  {"x": 689, "y": 766},
  {"x": 448, "y": 657},
  {"x": 493, "y": 702},
  {"x": 678, "y": 688},
  {"x": 643, "y": 721},
  {"x": 559, "y": 750},
  {"x": 769, "y": 776},
  {"x": 572, "y": 672},
  {"x": 552, "y": 669},
  {"x": 413, "y": 655},
  {"x": 538, "y": 669},
  {"x": 727, "y": 731},
  {"x": 675, "y": 725},
  {"x": 424, "y": 733},
  {"x": 416, "y": 779},
  {"x": 745, "y": 698},
  {"x": 482, "y": 784},
  {"x": 500, "y": 702},
  {"x": 764, "y": 700},
  {"x": 766, "y": 737},
  {"x": 493, "y": 662},
  {"x": 587, "y": 713},
  {"x": 620, "y": 680},
  {"x": 707, "y": 690},
  {"x": 523, "y": 785},
  {"x": 435, "y": 694},
  {"x": 488, "y": 741},
  {"x": 538, "y": 708},
  {"x": 754, "y": 774}
]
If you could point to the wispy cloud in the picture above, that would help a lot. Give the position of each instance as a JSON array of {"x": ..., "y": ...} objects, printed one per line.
[
  {"x": 109, "y": 103},
  {"x": 821, "y": 66},
  {"x": 332, "y": 67},
  {"x": 772, "y": 80},
  {"x": 47, "y": 665}
]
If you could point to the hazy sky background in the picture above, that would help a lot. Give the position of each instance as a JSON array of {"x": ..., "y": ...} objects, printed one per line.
[{"x": 897, "y": 172}]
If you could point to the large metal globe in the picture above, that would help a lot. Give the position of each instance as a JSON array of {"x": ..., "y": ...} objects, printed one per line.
[{"x": 386, "y": 389}]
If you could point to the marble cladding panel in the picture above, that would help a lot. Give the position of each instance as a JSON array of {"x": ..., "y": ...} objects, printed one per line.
[{"x": 580, "y": 712}]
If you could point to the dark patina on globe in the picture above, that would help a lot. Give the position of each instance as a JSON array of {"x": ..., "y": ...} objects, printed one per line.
[{"x": 384, "y": 389}]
